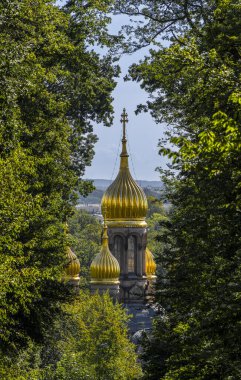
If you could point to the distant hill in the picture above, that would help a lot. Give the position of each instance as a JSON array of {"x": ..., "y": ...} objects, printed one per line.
[
  {"x": 104, "y": 183},
  {"x": 151, "y": 188}
]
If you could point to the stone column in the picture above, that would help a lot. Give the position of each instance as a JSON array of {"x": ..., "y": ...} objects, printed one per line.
[{"x": 101, "y": 288}]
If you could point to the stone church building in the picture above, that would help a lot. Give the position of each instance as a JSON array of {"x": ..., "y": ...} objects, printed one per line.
[{"x": 125, "y": 266}]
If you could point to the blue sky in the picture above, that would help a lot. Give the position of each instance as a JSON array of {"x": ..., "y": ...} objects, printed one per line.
[{"x": 143, "y": 132}]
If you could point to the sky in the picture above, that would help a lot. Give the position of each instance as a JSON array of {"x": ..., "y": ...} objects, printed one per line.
[{"x": 143, "y": 133}]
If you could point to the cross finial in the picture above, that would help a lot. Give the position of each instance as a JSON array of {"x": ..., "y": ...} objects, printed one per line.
[{"x": 124, "y": 120}]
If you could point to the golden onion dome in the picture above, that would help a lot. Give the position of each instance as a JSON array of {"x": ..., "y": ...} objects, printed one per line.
[
  {"x": 150, "y": 263},
  {"x": 105, "y": 268},
  {"x": 124, "y": 200},
  {"x": 72, "y": 268}
]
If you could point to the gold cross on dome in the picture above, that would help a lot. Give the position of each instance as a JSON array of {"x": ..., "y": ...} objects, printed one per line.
[{"x": 124, "y": 120}]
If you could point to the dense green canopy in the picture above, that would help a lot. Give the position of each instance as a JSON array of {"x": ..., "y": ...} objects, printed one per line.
[
  {"x": 53, "y": 88},
  {"x": 87, "y": 341},
  {"x": 193, "y": 81}
]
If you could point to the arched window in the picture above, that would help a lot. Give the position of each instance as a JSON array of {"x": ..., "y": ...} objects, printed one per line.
[
  {"x": 131, "y": 254},
  {"x": 118, "y": 248}
]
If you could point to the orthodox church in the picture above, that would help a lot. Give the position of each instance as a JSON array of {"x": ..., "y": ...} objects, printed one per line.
[{"x": 125, "y": 266}]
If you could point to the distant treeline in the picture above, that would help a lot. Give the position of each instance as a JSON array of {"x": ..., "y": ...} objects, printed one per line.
[
  {"x": 104, "y": 183},
  {"x": 96, "y": 196}
]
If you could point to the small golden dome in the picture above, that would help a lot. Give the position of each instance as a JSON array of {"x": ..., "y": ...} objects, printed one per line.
[
  {"x": 124, "y": 201},
  {"x": 150, "y": 264},
  {"x": 105, "y": 268},
  {"x": 72, "y": 268}
]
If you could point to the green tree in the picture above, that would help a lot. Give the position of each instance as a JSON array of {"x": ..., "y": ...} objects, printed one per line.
[
  {"x": 194, "y": 86},
  {"x": 96, "y": 346},
  {"x": 86, "y": 240},
  {"x": 157, "y": 222},
  {"x": 155, "y": 205},
  {"x": 53, "y": 87},
  {"x": 88, "y": 341}
]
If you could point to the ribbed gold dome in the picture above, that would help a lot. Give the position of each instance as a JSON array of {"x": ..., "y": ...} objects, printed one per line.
[
  {"x": 72, "y": 268},
  {"x": 124, "y": 201},
  {"x": 150, "y": 263},
  {"x": 105, "y": 268}
]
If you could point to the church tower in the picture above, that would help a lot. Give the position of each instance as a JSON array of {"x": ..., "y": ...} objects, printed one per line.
[
  {"x": 125, "y": 205},
  {"x": 105, "y": 270}
]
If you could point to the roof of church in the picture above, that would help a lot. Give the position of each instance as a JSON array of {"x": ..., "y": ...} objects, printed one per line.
[
  {"x": 105, "y": 267},
  {"x": 124, "y": 200},
  {"x": 72, "y": 268}
]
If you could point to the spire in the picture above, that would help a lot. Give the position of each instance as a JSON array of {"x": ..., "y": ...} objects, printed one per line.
[
  {"x": 124, "y": 200},
  {"x": 105, "y": 233},
  {"x": 105, "y": 267},
  {"x": 124, "y": 120},
  {"x": 124, "y": 155},
  {"x": 72, "y": 268}
]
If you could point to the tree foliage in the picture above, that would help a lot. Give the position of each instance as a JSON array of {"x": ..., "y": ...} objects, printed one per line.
[
  {"x": 53, "y": 88},
  {"x": 97, "y": 342},
  {"x": 158, "y": 223},
  {"x": 88, "y": 340},
  {"x": 86, "y": 240},
  {"x": 194, "y": 84}
]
